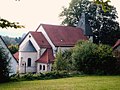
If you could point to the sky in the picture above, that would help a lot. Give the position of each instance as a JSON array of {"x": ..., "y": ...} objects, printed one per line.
[{"x": 31, "y": 13}]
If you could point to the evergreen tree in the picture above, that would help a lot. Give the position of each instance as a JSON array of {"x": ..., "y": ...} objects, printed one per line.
[{"x": 4, "y": 65}]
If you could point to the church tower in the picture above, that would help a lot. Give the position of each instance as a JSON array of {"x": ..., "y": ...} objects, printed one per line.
[{"x": 85, "y": 26}]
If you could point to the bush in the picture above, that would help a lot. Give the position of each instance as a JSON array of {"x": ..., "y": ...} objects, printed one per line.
[
  {"x": 60, "y": 63},
  {"x": 40, "y": 76},
  {"x": 28, "y": 76},
  {"x": 90, "y": 58}
]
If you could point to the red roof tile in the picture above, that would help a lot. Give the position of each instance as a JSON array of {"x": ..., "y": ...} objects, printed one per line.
[
  {"x": 117, "y": 44},
  {"x": 47, "y": 57},
  {"x": 40, "y": 39},
  {"x": 16, "y": 55},
  {"x": 64, "y": 35}
]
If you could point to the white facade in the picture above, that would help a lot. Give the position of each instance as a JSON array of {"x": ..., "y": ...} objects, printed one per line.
[
  {"x": 35, "y": 66},
  {"x": 13, "y": 62},
  {"x": 42, "y": 67},
  {"x": 24, "y": 56},
  {"x": 23, "y": 62},
  {"x": 34, "y": 56}
]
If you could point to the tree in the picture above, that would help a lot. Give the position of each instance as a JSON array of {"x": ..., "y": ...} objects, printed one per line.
[
  {"x": 59, "y": 63},
  {"x": 103, "y": 23},
  {"x": 4, "y": 65},
  {"x": 84, "y": 54},
  {"x": 72, "y": 14},
  {"x": 4, "y": 57},
  {"x": 90, "y": 58},
  {"x": 67, "y": 57},
  {"x": 107, "y": 62},
  {"x": 104, "y": 4},
  {"x": 13, "y": 48},
  {"x": 5, "y": 24}
]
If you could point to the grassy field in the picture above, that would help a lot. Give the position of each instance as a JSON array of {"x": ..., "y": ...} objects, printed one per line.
[{"x": 73, "y": 83}]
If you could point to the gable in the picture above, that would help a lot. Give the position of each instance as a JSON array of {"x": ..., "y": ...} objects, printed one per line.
[
  {"x": 36, "y": 39},
  {"x": 25, "y": 40},
  {"x": 28, "y": 47},
  {"x": 63, "y": 35},
  {"x": 47, "y": 57}
]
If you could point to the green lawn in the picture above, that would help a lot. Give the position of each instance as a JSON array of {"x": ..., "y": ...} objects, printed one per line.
[{"x": 73, "y": 83}]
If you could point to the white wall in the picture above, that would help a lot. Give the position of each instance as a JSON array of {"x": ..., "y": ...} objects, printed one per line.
[
  {"x": 23, "y": 58},
  {"x": 63, "y": 48},
  {"x": 33, "y": 42},
  {"x": 42, "y": 50},
  {"x": 47, "y": 67},
  {"x": 13, "y": 62}
]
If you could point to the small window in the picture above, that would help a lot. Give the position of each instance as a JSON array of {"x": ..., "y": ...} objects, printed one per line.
[
  {"x": 29, "y": 62},
  {"x": 43, "y": 67},
  {"x": 40, "y": 67},
  {"x": 29, "y": 36}
]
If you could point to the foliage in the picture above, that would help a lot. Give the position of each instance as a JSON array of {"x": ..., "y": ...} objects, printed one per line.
[
  {"x": 67, "y": 56},
  {"x": 4, "y": 66},
  {"x": 103, "y": 23},
  {"x": 60, "y": 63},
  {"x": 5, "y": 24},
  {"x": 107, "y": 62},
  {"x": 41, "y": 76},
  {"x": 84, "y": 55},
  {"x": 87, "y": 58},
  {"x": 93, "y": 59},
  {"x": 104, "y": 4},
  {"x": 4, "y": 58},
  {"x": 72, "y": 14},
  {"x": 13, "y": 48}
]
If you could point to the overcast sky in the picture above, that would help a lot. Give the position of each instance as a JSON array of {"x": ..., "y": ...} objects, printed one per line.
[{"x": 31, "y": 13}]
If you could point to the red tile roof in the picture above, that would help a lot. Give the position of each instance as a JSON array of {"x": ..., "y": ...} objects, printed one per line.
[
  {"x": 64, "y": 35},
  {"x": 16, "y": 55},
  {"x": 47, "y": 57},
  {"x": 116, "y": 44},
  {"x": 40, "y": 39}
]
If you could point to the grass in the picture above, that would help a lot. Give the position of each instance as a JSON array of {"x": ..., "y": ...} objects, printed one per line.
[{"x": 73, "y": 83}]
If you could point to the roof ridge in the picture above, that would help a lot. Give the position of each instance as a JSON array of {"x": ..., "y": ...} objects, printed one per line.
[{"x": 53, "y": 25}]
